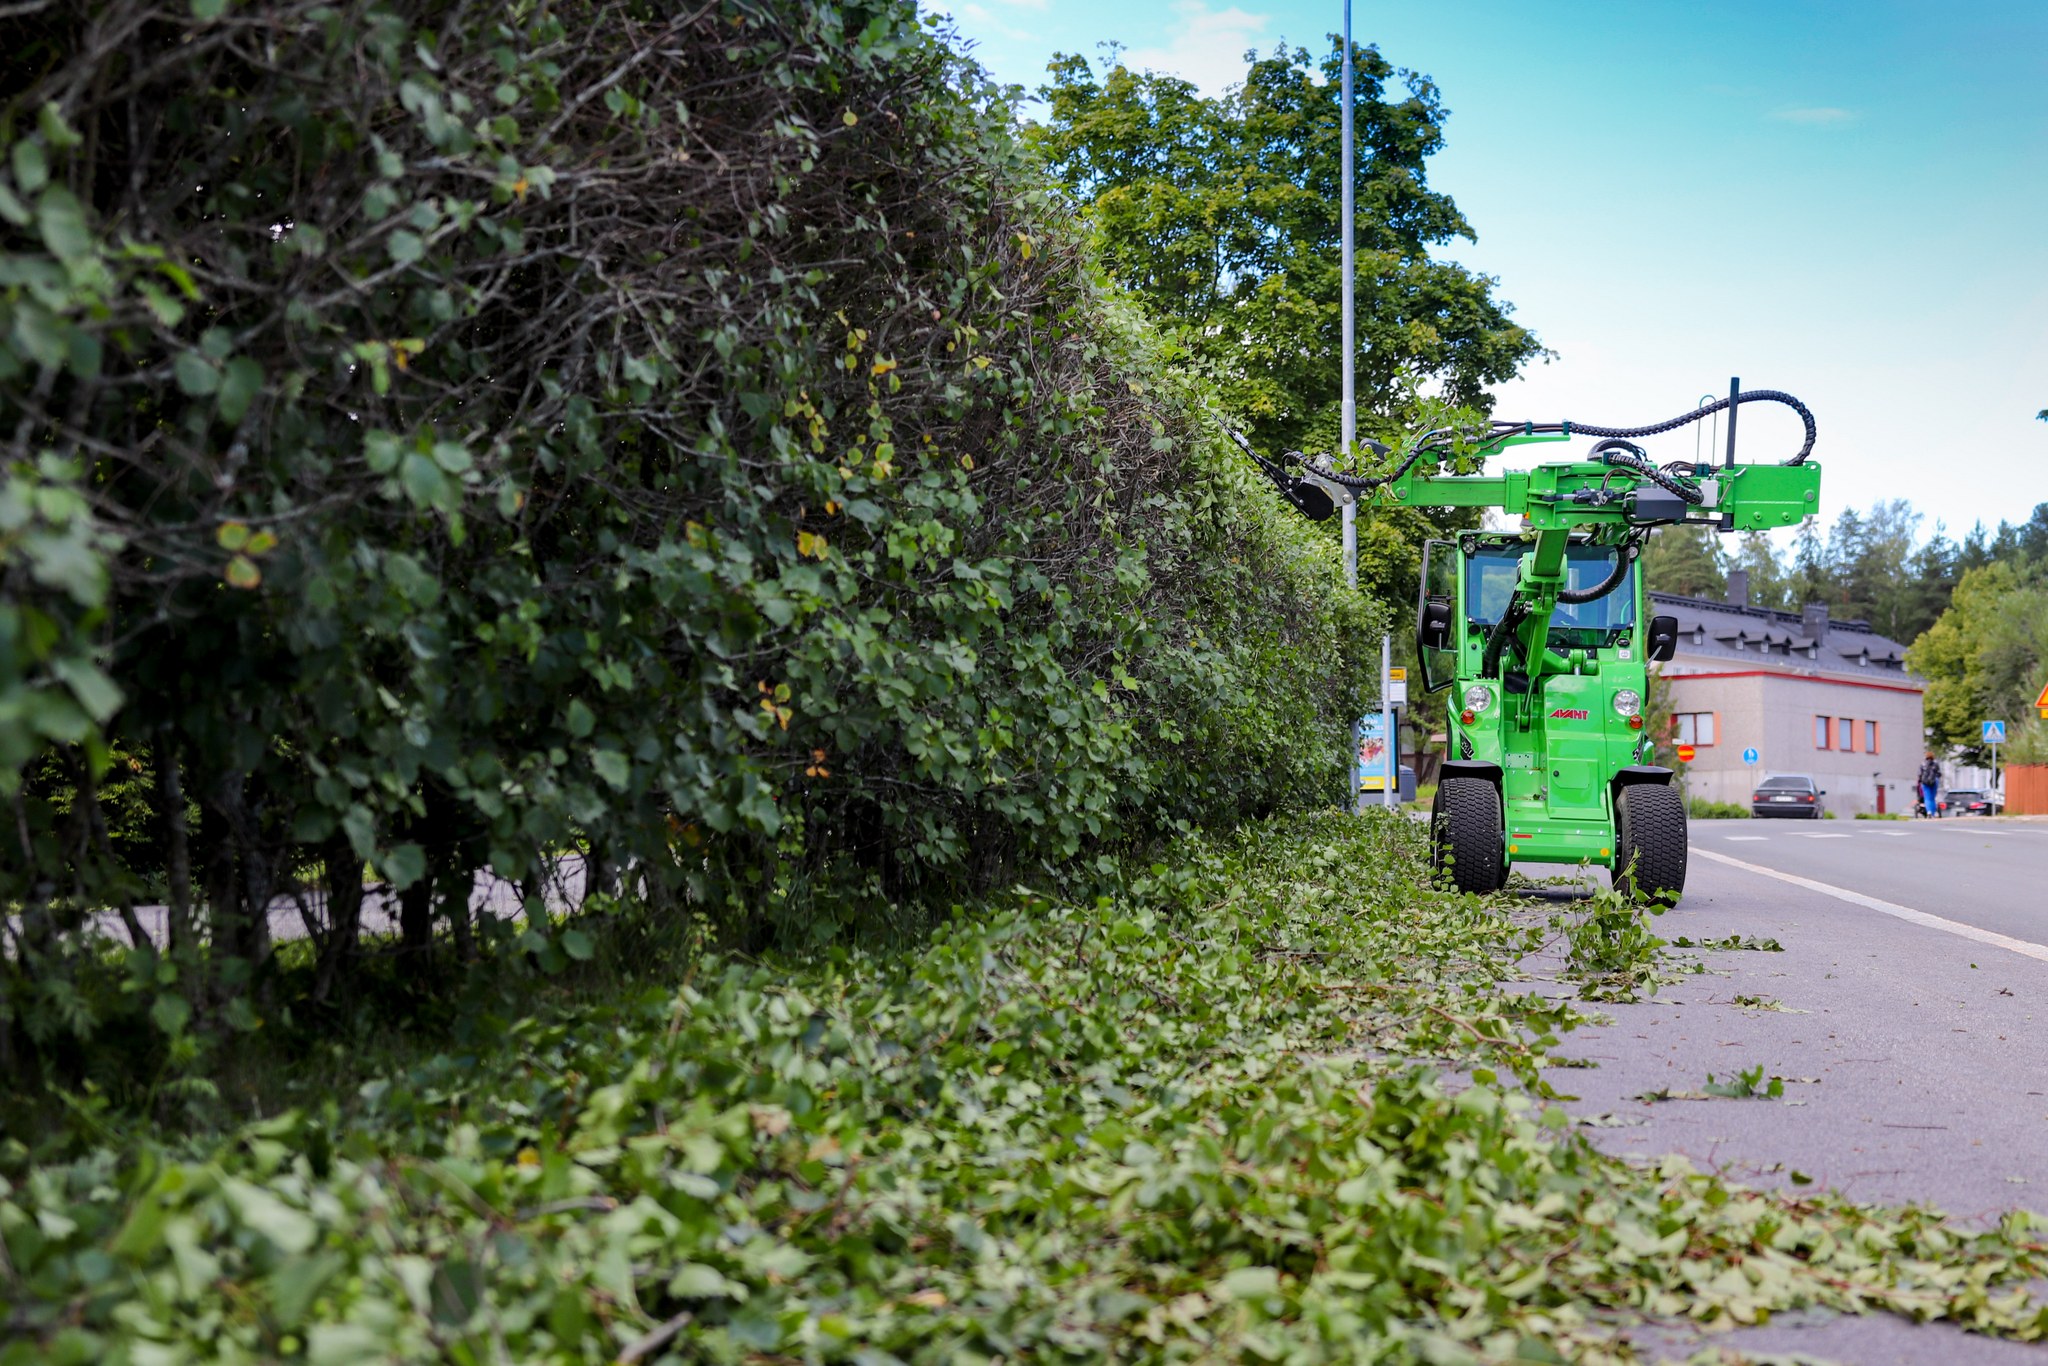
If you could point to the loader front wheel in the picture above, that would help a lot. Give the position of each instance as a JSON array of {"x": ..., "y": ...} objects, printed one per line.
[
  {"x": 1650, "y": 842},
  {"x": 1467, "y": 843}
]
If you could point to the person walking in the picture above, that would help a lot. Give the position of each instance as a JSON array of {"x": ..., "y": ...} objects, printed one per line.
[{"x": 1930, "y": 783}]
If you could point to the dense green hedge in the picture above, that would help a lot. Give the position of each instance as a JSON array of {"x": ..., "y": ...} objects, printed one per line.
[{"x": 444, "y": 434}]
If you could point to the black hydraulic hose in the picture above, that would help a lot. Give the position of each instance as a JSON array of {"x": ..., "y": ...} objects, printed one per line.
[
  {"x": 1618, "y": 452},
  {"x": 1503, "y": 631},
  {"x": 1503, "y": 430},
  {"x": 1625, "y": 556}
]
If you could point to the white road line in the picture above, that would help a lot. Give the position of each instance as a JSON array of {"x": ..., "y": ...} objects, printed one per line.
[
  {"x": 2039, "y": 952},
  {"x": 1817, "y": 835},
  {"x": 1758, "y": 838}
]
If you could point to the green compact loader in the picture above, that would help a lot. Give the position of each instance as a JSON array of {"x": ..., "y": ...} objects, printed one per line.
[{"x": 1540, "y": 636}]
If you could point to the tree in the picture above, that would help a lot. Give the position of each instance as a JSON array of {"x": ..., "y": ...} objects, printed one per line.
[
  {"x": 1224, "y": 215},
  {"x": 1686, "y": 560},
  {"x": 1768, "y": 586},
  {"x": 1986, "y": 656}
]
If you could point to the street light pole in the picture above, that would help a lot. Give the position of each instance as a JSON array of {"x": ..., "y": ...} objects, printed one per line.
[
  {"x": 1353, "y": 764},
  {"x": 1350, "y": 436}
]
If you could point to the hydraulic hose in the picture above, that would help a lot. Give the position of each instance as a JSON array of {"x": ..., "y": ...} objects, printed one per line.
[
  {"x": 1506, "y": 429},
  {"x": 1625, "y": 556},
  {"x": 1617, "y": 451}
]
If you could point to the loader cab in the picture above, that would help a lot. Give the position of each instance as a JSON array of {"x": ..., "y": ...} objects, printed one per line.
[{"x": 1466, "y": 585}]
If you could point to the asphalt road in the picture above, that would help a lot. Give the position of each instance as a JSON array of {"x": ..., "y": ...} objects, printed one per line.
[
  {"x": 1991, "y": 873},
  {"x": 1914, "y": 1056}
]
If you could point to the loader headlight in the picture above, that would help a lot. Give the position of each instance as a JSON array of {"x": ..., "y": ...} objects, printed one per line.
[
  {"x": 1478, "y": 698},
  {"x": 1628, "y": 702}
]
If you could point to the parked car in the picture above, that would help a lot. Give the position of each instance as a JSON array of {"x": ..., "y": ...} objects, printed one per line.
[
  {"x": 1968, "y": 801},
  {"x": 1792, "y": 796}
]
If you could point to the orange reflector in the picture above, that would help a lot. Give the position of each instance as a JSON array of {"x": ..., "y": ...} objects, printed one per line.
[
  {"x": 1466, "y": 717},
  {"x": 1604, "y": 853},
  {"x": 1635, "y": 722},
  {"x": 1514, "y": 848}
]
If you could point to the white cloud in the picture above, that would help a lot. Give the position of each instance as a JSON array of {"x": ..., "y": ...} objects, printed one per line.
[
  {"x": 1205, "y": 46},
  {"x": 1824, "y": 117}
]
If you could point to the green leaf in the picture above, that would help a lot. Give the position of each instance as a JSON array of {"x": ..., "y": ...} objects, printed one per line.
[
  {"x": 171, "y": 1014},
  {"x": 612, "y": 766},
  {"x": 55, "y": 130},
  {"x": 381, "y": 451},
  {"x": 196, "y": 374},
  {"x": 581, "y": 721},
  {"x": 404, "y": 864},
  {"x": 578, "y": 945},
  {"x": 423, "y": 481},
  {"x": 31, "y": 167},
  {"x": 244, "y": 380},
  {"x": 289, "y": 1230},
  {"x": 208, "y": 10},
  {"x": 406, "y": 247},
  {"x": 60, "y": 218},
  {"x": 162, "y": 306},
  {"x": 1249, "y": 1282},
  {"x": 98, "y": 694}
]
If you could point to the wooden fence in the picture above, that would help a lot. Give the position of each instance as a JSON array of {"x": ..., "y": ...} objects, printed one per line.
[{"x": 2026, "y": 790}]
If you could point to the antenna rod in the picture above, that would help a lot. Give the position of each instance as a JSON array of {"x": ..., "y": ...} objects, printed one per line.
[{"x": 1734, "y": 389}]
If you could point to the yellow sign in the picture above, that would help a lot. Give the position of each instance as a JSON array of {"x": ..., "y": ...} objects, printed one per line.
[
  {"x": 2042, "y": 700},
  {"x": 1401, "y": 676}
]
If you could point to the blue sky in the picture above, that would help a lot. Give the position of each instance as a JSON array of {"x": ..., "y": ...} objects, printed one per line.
[{"x": 1846, "y": 200}]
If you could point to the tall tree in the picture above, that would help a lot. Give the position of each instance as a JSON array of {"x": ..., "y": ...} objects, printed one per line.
[
  {"x": 1757, "y": 557},
  {"x": 1986, "y": 658},
  {"x": 1224, "y": 214},
  {"x": 1686, "y": 560}
]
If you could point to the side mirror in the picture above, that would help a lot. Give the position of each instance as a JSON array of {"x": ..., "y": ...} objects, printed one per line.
[
  {"x": 1663, "y": 638},
  {"x": 1433, "y": 627}
]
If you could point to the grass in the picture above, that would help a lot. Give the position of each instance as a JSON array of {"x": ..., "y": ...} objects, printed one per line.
[
  {"x": 1700, "y": 809},
  {"x": 1271, "y": 1098}
]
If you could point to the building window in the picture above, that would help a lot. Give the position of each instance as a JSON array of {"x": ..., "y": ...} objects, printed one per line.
[
  {"x": 1845, "y": 735},
  {"x": 1820, "y": 731},
  {"x": 1693, "y": 727},
  {"x": 1870, "y": 737}
]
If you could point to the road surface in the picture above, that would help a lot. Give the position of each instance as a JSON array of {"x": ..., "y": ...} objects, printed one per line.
[{"x": 1907, "y": 1013}]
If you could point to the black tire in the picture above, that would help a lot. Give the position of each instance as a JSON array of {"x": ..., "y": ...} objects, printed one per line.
[
  {"x": 1649, "y": 843},
  {"x": 1467, "y": 843}
]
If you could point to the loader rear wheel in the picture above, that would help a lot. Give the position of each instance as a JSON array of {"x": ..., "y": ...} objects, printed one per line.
[
  {"x": 1467, "y": 844},
  {"x": 1650, "y": 842}
]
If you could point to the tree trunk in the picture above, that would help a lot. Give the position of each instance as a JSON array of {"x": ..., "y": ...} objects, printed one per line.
[{"x": 343, "y": 874}]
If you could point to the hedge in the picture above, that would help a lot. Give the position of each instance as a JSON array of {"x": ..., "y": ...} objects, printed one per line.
[{"x": 444, "y": 435}]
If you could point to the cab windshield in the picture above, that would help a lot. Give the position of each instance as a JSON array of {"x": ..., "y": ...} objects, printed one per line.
[{"x": 1490, "y": 575}]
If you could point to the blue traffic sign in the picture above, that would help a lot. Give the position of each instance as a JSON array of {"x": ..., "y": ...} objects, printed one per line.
[
  {"x": 1994, "y": 732},
  {"x": 1750, "y": 756}
]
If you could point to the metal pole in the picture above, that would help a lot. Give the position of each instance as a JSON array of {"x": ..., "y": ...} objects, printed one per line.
[
  {"x": 1393, "y": 778},
  {"x": 1350, "y": 419},
  {"x": 1352, "y": 767}
]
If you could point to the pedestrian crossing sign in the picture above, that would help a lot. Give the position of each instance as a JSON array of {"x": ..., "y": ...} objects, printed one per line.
[{"x": 1994, "y": 732}]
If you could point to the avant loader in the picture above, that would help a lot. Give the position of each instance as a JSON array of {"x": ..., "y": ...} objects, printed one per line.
[{"x": 1540, "y": 638}]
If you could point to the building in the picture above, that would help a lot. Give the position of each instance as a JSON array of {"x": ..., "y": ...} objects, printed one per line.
[{"x": 1827, "y": 698}]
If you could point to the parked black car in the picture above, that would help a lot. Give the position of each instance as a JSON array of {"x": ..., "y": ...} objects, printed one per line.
[
  {"x": 1966, "y": 801},
  {"x": 1793, "y": 796}
]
